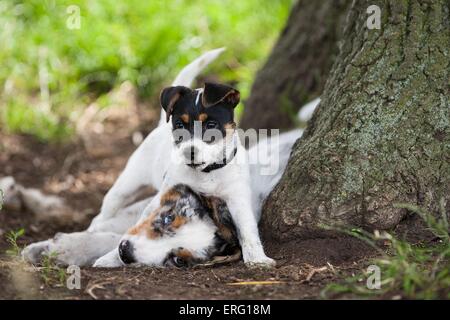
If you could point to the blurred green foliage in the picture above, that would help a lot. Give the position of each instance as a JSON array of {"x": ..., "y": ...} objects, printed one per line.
[{"x": 49, "y": 72}]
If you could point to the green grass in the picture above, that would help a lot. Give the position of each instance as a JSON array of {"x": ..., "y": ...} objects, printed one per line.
[
  {"x": 19, "y": 116},
  {"x": 419, "y": 271},
  {"x": 50, "y": 272},
  {"x": 50, "y": 72},
  {"x": 11, "y": 238}
]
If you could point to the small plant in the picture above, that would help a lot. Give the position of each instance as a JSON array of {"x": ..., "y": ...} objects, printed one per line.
[
  {"x": 407, "y": 270},
  {"x": 11, "y": 238},
  {"x": 50, "y": 272}
]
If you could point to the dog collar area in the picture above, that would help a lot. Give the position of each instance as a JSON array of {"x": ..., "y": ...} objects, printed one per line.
[{"x": 215, "y": 166}]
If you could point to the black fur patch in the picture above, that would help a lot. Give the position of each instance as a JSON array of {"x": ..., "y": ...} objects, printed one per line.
[{"x": 215, "y": 105}]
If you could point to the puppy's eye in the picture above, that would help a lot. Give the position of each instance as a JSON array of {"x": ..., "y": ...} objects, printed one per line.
[
  {"x": 211, "y": 124},
  {"x": 168, "y": 219},
  {"x": 179, "y": 262},
  {"x": 179, "y": 124}
]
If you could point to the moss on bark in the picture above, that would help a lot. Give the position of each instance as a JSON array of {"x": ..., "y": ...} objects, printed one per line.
[{"x": 382, "y": 132}]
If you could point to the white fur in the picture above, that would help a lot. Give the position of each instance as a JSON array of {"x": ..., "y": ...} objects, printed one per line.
[
  {"x": 277, "y": 152},
  {"x": 84, "y": 248},
  {"x": 78, "y": 248},
  {"x": 308, "y": 109}
]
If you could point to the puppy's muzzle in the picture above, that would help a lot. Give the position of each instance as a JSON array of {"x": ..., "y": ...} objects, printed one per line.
[
  {"x": 126, "y": 252},
  {"x": 191, "y": 154}
]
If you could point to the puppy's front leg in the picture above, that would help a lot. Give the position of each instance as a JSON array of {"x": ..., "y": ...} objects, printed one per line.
[
  {"x": 78, "y": 248},
  {"x": 239, "y": 204},
  {"x": 134, "y": 177},
  {"x": 109, "y": 260}
]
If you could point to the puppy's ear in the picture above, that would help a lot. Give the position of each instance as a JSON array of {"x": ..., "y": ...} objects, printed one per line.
[
  {"x": 220, "y": 215},
  {"x": 169, "y": 97},
  {"x": 213, "y": 93}
]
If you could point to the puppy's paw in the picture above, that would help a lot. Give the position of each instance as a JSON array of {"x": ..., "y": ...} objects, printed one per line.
[
  {"x": 254, "y": 256},
  {"x": 262, "y": 262},
  {"x": 36, "y": 251},
  {"x": 109, "y": 260}
]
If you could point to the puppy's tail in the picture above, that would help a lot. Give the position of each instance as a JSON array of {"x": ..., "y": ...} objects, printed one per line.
[
  {"x": 307, "y": 110},
  {"x": 191, "y": 71}
]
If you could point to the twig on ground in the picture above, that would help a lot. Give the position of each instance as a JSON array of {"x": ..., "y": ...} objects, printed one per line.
[
  {"x": 314, "y": 271},
  {"x": 100, "y": 285}
]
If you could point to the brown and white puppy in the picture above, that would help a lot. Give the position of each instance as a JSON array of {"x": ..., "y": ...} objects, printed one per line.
[{"x": 187, "y": 229}]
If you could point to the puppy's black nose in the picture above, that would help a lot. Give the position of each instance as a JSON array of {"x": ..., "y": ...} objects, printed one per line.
[
  {"x": 190, "y": 153},
  {"x": 126, "y": 252}
]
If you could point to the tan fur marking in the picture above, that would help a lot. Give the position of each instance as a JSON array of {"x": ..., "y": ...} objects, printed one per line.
[
  {"x": 178, "y": 222},
  {"x": 184, "y": 254},
  {"x": 151, "y": 234},
  {"x": 224, "y": 231},
  {"x": 202, "y": 117},
  {"x": 171, "y": 195},
  {"x": 145, "y": 227},
  {"x": 185, "y": 118}
]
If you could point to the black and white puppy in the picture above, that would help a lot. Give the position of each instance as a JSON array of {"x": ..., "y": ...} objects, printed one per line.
[
  {"x": 199, "y": 147},
  {"x": 202, "y": 124}
]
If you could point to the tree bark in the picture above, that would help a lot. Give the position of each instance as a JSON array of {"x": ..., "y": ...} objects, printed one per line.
[
  {"x": 298, "y": 66},
  {"x": 381, "y": 135}
]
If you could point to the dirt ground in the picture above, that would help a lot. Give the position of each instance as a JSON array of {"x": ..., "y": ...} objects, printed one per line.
[{"x": 82, "y": 172}]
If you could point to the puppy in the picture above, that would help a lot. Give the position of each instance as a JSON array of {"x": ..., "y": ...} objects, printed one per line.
[
  {"x": 197, "y": 146},
  {"x": 187, "y": 229}
]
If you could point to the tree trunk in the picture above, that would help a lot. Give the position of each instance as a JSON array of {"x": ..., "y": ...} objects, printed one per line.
[
  {"x": 298, "y": 66},
  {"x": 381, "y": 135}
]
